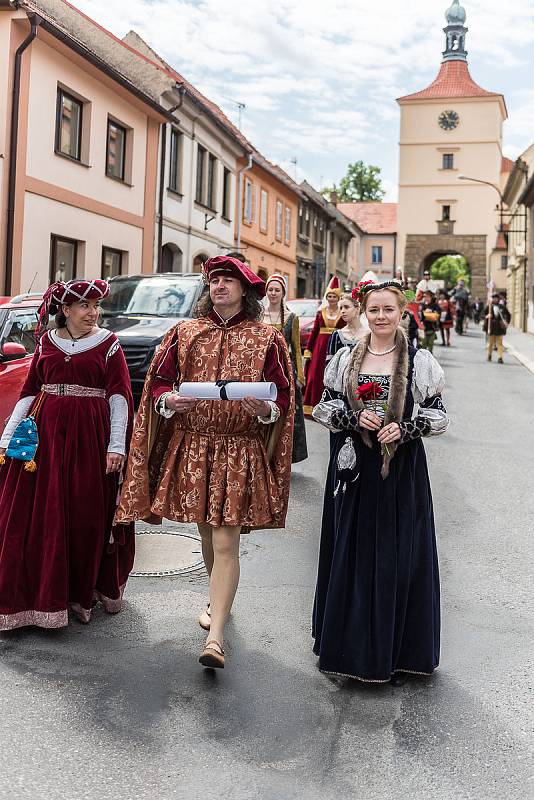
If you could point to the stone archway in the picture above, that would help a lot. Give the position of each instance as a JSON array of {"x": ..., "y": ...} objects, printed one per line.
[
  {"x": 420, "y": 247},
  {"x": 429, "y": 260}
]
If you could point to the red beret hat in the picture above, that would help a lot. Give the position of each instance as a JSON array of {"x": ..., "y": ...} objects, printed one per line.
[{"x": 226, "y": 265}]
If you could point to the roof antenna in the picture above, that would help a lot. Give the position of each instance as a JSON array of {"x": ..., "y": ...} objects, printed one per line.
[
  {"x": 31, "y": 284},
  {"x": 240, "y": 108}
]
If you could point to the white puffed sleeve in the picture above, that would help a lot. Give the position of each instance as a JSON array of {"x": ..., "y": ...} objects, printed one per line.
[
  {"x": 333, "y": 400},
  {"x": 334, "y": 374},
  {"x": 428, "y": 376},
  {"x": 427, "y": 385}
]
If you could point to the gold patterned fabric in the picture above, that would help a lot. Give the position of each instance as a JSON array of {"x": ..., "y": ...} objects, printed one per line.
[{"x": 216, "y": 463}]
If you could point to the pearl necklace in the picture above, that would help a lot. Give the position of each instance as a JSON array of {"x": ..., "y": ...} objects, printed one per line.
[{"x": 385, "y": 353}]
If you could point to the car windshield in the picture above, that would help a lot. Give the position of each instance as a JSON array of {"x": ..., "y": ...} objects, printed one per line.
[
  {"x": 304, "y": 308},
  {"x": 154, "y": 297}
]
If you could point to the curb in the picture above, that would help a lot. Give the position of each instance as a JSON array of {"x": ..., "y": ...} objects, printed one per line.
[{"x": 526, "y": 362}]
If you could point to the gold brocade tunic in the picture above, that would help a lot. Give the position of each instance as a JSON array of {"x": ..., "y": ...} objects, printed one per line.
[{"x": 216, "y": 463}]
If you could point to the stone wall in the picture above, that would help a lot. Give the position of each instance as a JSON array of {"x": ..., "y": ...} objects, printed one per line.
[{"x": 473, "y": 248}]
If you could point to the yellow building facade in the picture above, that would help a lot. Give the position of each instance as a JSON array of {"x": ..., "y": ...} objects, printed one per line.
[{"x": 451, "y": 165}]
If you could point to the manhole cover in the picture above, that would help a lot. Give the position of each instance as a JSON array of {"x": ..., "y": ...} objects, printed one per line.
[{"x": 161, "y": 553}]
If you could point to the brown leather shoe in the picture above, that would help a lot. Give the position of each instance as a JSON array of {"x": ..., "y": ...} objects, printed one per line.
[{"x": 212, "y": 655}]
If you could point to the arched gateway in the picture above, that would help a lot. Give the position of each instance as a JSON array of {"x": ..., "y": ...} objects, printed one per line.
[{"x": 420, "y": 249}]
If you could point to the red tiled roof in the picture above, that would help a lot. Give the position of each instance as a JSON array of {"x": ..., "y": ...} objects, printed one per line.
[
  {"x": 507, "y": 164},
  {"x": 453, "y": 80},
  {"x": 372, "y": 218}
]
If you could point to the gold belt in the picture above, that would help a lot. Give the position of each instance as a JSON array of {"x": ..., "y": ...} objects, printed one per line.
[
  {"x": 326, "y": 330},
  {"x": 72, "y": 390}
]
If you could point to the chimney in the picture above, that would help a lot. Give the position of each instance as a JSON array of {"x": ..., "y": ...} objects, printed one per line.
[{"x": 333, "y": 197}]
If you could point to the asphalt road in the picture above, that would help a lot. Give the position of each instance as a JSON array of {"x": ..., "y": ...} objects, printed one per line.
[{"x": 120, "y": 709}]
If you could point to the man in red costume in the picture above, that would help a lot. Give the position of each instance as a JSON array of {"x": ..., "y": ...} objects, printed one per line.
[{"x": 225, "y": 465}]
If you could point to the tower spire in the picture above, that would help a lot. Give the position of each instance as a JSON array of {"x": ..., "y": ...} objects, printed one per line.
[{"x": 455, "y": 33}]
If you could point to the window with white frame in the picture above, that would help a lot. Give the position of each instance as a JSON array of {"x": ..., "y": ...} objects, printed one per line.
[
  {"x": 287, "y": 225},
  {"x": 279, "y": 219},
  {"x": 376, "y": 254},
  {"x": 264, "y": 200}
]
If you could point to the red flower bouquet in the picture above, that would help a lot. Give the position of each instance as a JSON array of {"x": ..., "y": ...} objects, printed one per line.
[{"x": 371, "y": 392}]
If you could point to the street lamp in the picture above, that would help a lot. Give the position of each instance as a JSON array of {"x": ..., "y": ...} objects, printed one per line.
[{"x": 493, "y": 186}]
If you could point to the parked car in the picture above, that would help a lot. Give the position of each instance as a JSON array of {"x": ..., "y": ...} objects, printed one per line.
[
  {"x": 140, "y": 309},
  {"x": 306, "y": 310},
  {"x": 18, "y": 320}
]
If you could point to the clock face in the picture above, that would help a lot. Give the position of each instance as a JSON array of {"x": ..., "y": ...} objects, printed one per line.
[{"x": 449, "y": 120}]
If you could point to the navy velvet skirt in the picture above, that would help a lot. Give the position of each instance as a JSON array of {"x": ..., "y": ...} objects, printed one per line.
[{"x": 377, "y": 608}]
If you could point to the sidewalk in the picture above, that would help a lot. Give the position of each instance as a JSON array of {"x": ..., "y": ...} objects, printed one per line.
[{"x": 521, "y": 345}]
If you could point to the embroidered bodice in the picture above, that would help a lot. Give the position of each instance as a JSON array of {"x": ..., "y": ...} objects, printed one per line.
[{"x": 384, "y": 383}]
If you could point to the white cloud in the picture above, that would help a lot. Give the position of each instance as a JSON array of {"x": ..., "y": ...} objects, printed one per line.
[{"x": 319, "y": 79}]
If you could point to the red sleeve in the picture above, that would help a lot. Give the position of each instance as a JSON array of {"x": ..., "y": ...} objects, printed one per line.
[
  {"x": 32, "y": 384},
  {"x": 167, "y": 372},
  {"x": 317, "y": 325},
  {"x": 275, "y": 371},
  {"x": 117, "y": 376}
]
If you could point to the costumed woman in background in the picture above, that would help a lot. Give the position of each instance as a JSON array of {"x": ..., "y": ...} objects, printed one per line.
[
  {"x": 376, "y": 613},
  {"x": 284, "y": 320},
  {"x": 327, "y": 320},
  {"x": 350, "y": 309},
  {"x": 59, "y": 550}
]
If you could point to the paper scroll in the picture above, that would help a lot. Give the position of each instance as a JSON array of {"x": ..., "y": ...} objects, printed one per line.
[{"x": 229, "y": 390}]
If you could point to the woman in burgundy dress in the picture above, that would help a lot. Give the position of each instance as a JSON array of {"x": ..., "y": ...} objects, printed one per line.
[
  {"x": 59, "y": 550},
  {"x": 328, "y": 319}
]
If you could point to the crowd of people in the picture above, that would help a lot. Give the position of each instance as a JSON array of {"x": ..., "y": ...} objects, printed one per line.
[{"x": 78, "y": 470}]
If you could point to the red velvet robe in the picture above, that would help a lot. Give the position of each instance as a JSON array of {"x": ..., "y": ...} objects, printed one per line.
[
  {"x": 57, "y": 550},
  {"x": 317, "y": 349}
]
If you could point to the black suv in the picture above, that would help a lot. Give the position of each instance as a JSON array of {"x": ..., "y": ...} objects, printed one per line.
[{"x": 140, "y": 309}]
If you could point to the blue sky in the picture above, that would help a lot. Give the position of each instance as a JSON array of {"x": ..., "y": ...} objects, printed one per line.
[{"x": 319, "y": 79}]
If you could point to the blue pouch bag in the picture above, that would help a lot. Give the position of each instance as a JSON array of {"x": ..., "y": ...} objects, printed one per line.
[
  {"x": 25, "y": 440},
  {"x": 24, "y": 443}
]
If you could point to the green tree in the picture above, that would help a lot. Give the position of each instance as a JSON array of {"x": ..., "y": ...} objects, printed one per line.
[
  {"x": 362, "y": 183},
  {"x": 451, "y": 269}
]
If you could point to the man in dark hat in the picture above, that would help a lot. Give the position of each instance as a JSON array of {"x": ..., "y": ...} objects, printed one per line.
[
  {"x": 224, "y": 464},
  {"x": 496, "y": 321}
]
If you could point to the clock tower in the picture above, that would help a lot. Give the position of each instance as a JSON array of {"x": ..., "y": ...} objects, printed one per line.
[{"x": 450, "y": 129}]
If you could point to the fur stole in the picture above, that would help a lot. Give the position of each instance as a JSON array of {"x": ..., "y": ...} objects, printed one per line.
[{"x": 397, "y": 389}]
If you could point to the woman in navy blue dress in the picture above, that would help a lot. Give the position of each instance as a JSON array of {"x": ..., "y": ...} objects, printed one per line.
[{"x": 376, "y": 613}]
